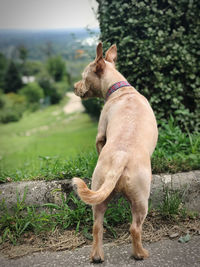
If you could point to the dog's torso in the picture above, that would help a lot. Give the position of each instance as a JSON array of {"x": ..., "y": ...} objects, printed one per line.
[
  {"x": 129, "y": 126},
  {"x": 128, "y": 122}
]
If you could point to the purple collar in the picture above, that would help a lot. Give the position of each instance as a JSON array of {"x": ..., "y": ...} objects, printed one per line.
[{"x": 115, "y": 87}]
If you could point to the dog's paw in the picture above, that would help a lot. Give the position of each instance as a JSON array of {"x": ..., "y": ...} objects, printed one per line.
[
  {"x": 97, "y": 257},
  {"x": 141, "y": 255},
  {"x": 97, "y": 260}
]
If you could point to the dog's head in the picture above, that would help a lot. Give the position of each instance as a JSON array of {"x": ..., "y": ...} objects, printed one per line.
[{"x": 92, "y": 76}]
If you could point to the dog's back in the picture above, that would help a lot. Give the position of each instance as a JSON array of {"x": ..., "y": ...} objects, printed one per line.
[{"x": 131, "y": 123}]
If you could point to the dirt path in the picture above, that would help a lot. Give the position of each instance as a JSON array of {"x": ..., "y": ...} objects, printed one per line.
[{"x": 74, "y": 104}]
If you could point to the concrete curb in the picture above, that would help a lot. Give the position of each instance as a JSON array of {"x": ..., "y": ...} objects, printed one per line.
[{"x": 41, "y": 192}]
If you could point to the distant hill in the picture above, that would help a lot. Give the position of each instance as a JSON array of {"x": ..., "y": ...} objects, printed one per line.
[{"x": 41, "y": 42}]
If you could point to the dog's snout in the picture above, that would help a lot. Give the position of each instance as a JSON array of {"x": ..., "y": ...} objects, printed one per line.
[{"x": 76, "y": 86}]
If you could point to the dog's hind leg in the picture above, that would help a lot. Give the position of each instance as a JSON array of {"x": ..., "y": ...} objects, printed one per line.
[
  {"x": 139, "y": 212},
  {"x": 97, "y": 254},
  {"x": 138, "y": 191}
]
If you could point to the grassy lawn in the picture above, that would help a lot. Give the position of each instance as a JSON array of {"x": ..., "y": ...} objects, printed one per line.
[
  {"x": 49, "y": 144},
  {"x": 43, "y": 136}
]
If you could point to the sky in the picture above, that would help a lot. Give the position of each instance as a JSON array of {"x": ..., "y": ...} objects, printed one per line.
[{"x": 47, "y": 14}]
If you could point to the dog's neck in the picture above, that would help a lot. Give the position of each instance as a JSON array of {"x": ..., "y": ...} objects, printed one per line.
[
  {"x": 110, "y": 77},
  {"x": 115, "y": 87}
]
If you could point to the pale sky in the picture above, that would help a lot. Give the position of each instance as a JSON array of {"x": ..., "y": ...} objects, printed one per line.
[{"x": 47, "y": 14}]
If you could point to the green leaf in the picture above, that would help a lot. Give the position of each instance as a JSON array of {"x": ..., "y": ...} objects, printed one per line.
[
  {"x": 184, "y": 239},
  {"x": 51, "y": 205},
  {"x": 87, "y": 234}
]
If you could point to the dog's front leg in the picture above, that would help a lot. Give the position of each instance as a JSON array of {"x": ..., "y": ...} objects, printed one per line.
[
  {"x": 100, "y": 142},
  {"x": 101, "y": 136}
]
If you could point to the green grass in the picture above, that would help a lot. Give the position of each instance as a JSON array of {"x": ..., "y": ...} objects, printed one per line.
[
  {"x": 176, "y": 151},
  {"x": 42, "y": 138},
  {"x": 14, "y": 223},
  {"x": 72, "y": 213},
  {"x": 50, "y": 145}
]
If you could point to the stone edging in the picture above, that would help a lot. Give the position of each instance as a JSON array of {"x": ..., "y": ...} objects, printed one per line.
[{"x": 41, "y": 192}]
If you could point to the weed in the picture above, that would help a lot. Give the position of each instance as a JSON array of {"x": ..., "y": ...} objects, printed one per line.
[
  {"x": 13, "y": 225},
  {"x": 118, "y": 212},
  {"x": 81, "y": 166},
  {"x": 172, "y": 204},
  {"x": 71, "y": 213}
]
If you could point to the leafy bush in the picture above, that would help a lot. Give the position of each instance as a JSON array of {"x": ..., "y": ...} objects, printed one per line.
[
  {"x": 10, "y": 115},
  {"x": 2, "y": 101},
  {"x": 176, "y": 150},
  {"x": 12, "y": 108},
  {"x": 158, "y": 52},
  {"x": 55, "y": 96},
  {"x": 63, "y": 86},
  {"x": 49, "y": 88},
  {"x": 93, "y": 106},
  {"x": 33, "y": 92},
  {"x": 13, "y": 99}
]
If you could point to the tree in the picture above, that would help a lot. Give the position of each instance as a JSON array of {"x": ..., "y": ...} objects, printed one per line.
[
  {"x": 23, "y": 54},
  {"x": 158, "y": 52},
  {"x": 12, "y": 80},
  {"x": 48, "y": 49},
  {"x": 56, "y": 67},
  {"x": 3, "y": 66}
]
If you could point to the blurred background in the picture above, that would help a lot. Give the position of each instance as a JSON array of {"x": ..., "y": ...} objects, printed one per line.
[
  {"x": 44, "y": 47},
  {"x": 48, "y": 133}
]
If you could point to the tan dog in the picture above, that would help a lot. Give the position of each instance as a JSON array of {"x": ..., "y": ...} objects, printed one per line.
[{"x": 127, "y": 136}]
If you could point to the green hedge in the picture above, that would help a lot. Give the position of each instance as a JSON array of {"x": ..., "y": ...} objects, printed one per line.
[{"x": 158, "y": 52}]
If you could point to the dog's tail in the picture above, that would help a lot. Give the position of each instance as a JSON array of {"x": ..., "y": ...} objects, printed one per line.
[{"x": 111, "y": 178}]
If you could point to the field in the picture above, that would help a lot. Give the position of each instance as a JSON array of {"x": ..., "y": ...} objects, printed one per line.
[
  {"x": 48, "y": 144},
  {"x": 43, "y": 136}
]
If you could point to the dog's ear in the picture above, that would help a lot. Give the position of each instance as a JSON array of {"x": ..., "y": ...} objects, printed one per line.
[
  {"x": 99, "y": 51},
  {"x": 111, "y": 54},
  {"x": 99, "y": 61}
]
